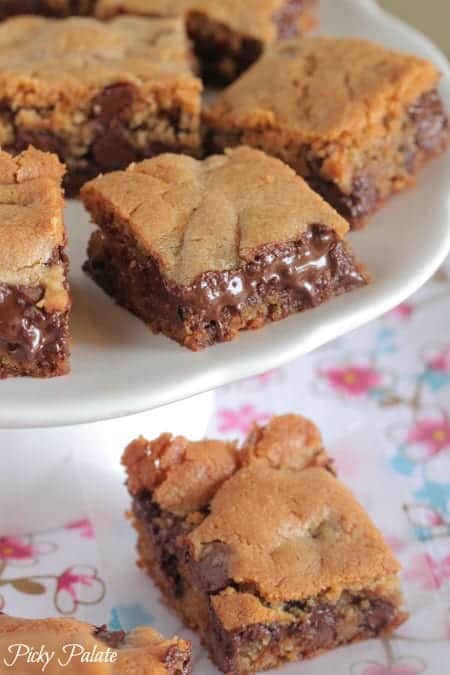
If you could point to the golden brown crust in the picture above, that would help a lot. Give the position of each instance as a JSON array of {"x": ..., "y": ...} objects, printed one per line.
[
  {"x": 173, "y": 203},
  {"x": 326, "y": 89},
  {"x": 47, "y": 62},
  {"x": 143, "y": 651},
  {"x": 182, "y": 475},
  {"x": 252, "y": 17},
  {"x": 31, "y": 221},
  {"x": 288, "y": 441},
  {"x": 294, "y": 534}
]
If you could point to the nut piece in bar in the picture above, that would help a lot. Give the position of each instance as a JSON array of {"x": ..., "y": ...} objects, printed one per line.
[
  {"x": 34, "y": 294},
  {"x": 73, "y": 645},
  {"x": 98, "y": 95},
  {"x": 356, "y": 120},
  {"x": 261, "y": 550},
  {"x": 200, "y": 250}
]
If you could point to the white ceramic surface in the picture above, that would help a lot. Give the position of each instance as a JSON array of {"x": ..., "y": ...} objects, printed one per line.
[
  {"x": 119, "y": 368},
  {"x": 39, "y": 466}
]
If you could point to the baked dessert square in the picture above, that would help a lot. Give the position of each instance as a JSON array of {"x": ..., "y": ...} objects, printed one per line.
[
  {"x": 98, "y": 95},
  {"x": 34, "y": 294},
  {"x": 59, "y": 8},
  {"x": 356, "y": 120},
  {"x": 142, "y": 651},
  {"x": 261, "y": 550},
  {"x": 228, "y": 35},
  {"x": 200, "y": 250}
]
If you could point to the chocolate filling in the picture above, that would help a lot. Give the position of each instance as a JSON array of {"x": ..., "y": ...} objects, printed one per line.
[
  {"x": 223, "y": 53},
  {"x": 112, "y": 146},
  {"x": 316, "y": 630},
  {"x": 30, "y": 335},
  {"x": 281, "y": 279},
  {"x": 163, "y": 528}
]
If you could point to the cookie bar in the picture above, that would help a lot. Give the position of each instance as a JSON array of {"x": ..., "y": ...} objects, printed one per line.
[
  {"x": 202, "y": 250},
  {"x": 262, "y": 551},
  {"x": 356, "y": 120},
  {"x": 34, "y": 296},
  {"x": 98, "y": 95},
  {"x": 66, "y": 645},
  {"x": 228, "y": 35}
]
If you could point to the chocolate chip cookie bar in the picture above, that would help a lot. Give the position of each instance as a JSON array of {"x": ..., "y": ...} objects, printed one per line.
[
  {"x": 228, "y": 35},
  {"x": 66, "y": 645},
  {"x": 261, "y": 549},
  {"x": 356, "y": 120},
  {"x": 200, "y": 250},
  {"x": 34, "y": 296},
  {"x": 98, "y": 95}
]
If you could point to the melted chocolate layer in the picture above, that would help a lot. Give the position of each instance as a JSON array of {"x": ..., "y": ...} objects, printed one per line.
[
  {"x": 30, "y": 335},
  {"x": 223, "y": 53},
  {"x": 320, "y": 628},
  {"x": 281, "y": 279}
]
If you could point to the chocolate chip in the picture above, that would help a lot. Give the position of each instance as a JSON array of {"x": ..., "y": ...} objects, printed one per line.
[
  {"x": 211, "y": 572},
  {"x": 111, "y": 150},
  {"x": 113, "y": 639},
  {"x": 113, "y": 102},
  {"x": 362, "y": 200},
  {"x": 42, "y": 139}
]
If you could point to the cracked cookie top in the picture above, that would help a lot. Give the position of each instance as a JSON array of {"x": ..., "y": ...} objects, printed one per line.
[
  {"x": 212, "y": 215},
  {"x": 31, "y": 216},
  {"x": 41, "y": 58},
  {"x": 256, "y": 18},
  {"x": 326, "y": 88},
  {"x": 141, "y": 650},
  {"x": 183, "y": 476}
]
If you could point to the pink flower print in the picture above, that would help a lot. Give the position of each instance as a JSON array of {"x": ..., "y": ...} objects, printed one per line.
[
  {"x": 429, "y": 572},
  {"x": 23, "y": 551},
  {"x": 402, "y": 666},
  {"x": 353, "y": 380},
  {"x": 16, "y": 549},
  {"x": 78, "y": 585},
  {"x": 426, "y": 518},
  {"x": 403, "y": 311},
  {"x": 240, "y": 420},
  {"x": 437, "y": 358},
  {"x": 267, "y": 377},
  {"x": 84, "y": 527},
  {"x": 427, "y": 438}
]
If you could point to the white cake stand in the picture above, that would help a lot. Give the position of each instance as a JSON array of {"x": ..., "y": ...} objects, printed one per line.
[{"x": 119, "y": 369}]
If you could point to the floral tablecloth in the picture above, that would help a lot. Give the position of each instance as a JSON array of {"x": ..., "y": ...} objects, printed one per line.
[{"x": 381, "y": 396}]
